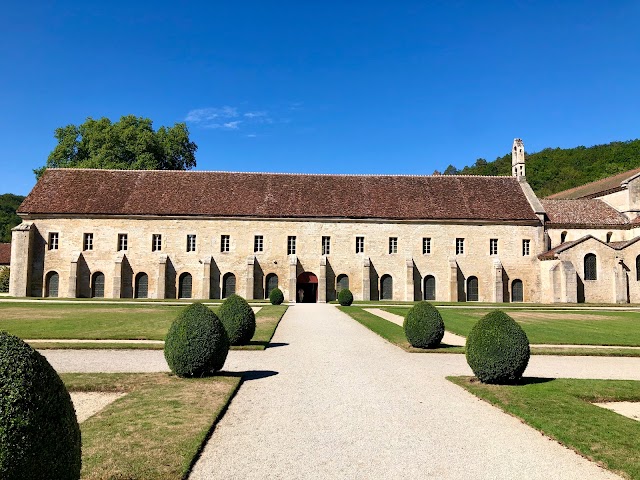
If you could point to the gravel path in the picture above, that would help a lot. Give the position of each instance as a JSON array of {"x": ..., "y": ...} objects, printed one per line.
[{"x": 346, "y": 404}]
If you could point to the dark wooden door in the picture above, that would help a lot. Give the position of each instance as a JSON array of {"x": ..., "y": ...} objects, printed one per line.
[
  {"x": 472, "y": 289},
  {"x": 386, "y": 287},
  {"x": 184, "y": 287},
  {"x": 430, "y": 288},
  {"x": 517, "y": 294},
  {"x": 142, "y": 285},
  {"x": 272, "y": 283},
  {"x": 228, "y": 285},
  {"x": 52, "y": 285},
  {"x": 98, "y": 285}
]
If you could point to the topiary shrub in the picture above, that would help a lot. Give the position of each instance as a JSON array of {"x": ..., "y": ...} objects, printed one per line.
[
  {"x": 276, "y": 297},
  {"x": 423, "y": 326},
  {"x": 4, "y": 279},
  {"x": 345, "y": 297},
  {"x": 197, "y": 343},
  {"x": 238, "y": 319},
  {"x": 39, "y": 433},
  {"x": 497, "y": 349}
]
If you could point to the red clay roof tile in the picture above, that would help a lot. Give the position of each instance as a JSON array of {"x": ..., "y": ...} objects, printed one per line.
[{"x": 582, "y": 212}]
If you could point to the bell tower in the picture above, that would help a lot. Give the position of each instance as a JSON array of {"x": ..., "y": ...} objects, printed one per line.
[{"x": 517, "y": 159}]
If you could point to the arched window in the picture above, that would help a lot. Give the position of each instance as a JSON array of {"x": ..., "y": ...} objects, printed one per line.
[
  {"x": 517, "y": 294},
  {"x": 472, "y": 289},
  {"x": 97, "y": 285},
  {"x": 228, "y": 284},
  {"x": 563, "y": 237},
  {"x": 638, "y": 268},
  {"x": 51, "y": 284},
  {"x": 590, "y": 267},
  {"x": 142, "y": 285},
  {"x": 342, "y": 282},
  {"x": 386, "y": 287},
  {"x": 272, "y": 284},
  {"x": 609, "y": 235},
  {"x": 429, "y": 287},
  {"x": 184, "y": 285}
]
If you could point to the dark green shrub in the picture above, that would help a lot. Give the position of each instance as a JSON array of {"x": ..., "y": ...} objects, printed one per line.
[
  {"x": 423, "y": 326},
  {"x": 345, "y": 297},
  {"x": 238, "y": 319},
  {"x": 39, "y": 433},
  {"x": 4, "y": 279},
  {"x": 497, "y": 349},
  {"x": 197, "y": 343},
  {"x": 276, "y": 297}
]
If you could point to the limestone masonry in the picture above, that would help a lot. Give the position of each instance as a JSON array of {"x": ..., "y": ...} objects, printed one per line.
[{"x": 189, "y": 234}]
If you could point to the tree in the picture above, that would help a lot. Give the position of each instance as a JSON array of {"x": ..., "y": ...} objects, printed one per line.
[
  {"x": 128, "y": 144},
  {"x": 9, "y": 203},
  {"x": 451, "y": 170}
]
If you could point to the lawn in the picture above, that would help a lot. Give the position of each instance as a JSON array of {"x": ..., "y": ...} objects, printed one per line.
[
  {"x": 574, "y": 327},
  {"x": 562, "y": 409},
  {"x": 51, "y": 320},
  {"x": 155, "y": 431}
]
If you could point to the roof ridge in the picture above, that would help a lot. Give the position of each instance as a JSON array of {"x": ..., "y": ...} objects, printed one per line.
[{"x": 282, "y": 173}]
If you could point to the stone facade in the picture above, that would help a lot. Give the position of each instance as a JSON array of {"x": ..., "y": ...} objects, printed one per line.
[{"x": 533, "y": 257}]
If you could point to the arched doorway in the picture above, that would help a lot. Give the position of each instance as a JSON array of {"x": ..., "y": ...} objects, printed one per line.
[
  {"x": 142, "y": 285},
  {"x": 184, "y": 285},
  {"x": 386, "y": 287},
  {"x": 51, "y": 284},
  {"x": 272, "y": 284},
  {"x": 342, "y": 282},
  {"x": 517, "y": 294},
  {"x": 97, "y": 285},
  {"x": 228, "y": 285},
  {"x": 307, "y": 288},
  {"x": 429, "y": 287},
  {"x": 472, "y": 289}
]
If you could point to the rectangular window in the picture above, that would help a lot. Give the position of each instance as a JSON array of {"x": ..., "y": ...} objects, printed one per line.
[
  {"x": 326, "y": 245},
  {"x": 191, "y": 243},
  {"x": 393, "y": 245},
  {"x": 53, "y": 241},
  {"x": 224, "y": 243},
  {"x": 156, "y": 242},
  {"x": 459, "y": 246},
  {"x": 359, "y": 244},
  {"x": 291, "y": 245},
  {"x": 526, "y": 244},
  {"x": 122, "y": 241},
  {"x": 493, "y": 246},
  {"x": 258, "y": 243},
  {"x": 426, "y": 246},
  {"x": 87, "y": 241}
]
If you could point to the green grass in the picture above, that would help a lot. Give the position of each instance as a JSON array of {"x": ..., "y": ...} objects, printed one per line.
[
  {"x": 391, "y": 332},
  {"x": 555, "y": 327},
  {"x": 51, "y": 320},
  {"x": 562, "y": 409},
  {"x": 156, "y": 430}
]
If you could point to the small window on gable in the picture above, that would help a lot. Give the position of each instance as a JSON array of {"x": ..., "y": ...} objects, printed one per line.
[
  {"x": 53, "y": 240},
  {"x": 590, "y": 267}
]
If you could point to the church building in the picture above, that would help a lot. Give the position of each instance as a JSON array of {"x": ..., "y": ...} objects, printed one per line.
[{"x": 206, "y": 235}]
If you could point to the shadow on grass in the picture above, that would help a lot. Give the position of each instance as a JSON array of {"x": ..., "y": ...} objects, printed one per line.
[
  {"x": 520, "y": 383},
  {"x": 248, "y": 375}
]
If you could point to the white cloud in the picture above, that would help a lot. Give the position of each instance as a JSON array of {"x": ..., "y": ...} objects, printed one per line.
[
  {"x": 225, "y": 125},
  {"x": 255, "y": 114},
  {"x": 200, "y": 115}
]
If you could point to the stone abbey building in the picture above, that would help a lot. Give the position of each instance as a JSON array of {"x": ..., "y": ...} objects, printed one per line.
[{"x": 190, "y": 234}]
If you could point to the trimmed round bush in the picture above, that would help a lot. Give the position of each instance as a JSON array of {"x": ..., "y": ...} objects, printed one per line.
[
  {"x": 423, "y": 326},
  {"x": 197, "y": 343},
  {"x": 238, "y": 319},
  {"x": 39, "y": 433},
  {"x": 276, "y": 297},
  {"x": 345, "y": 297},
  {"x": 497, "y": 349}
]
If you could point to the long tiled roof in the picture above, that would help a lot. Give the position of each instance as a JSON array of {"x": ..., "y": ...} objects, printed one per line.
[
  {"x": 268, "y": 195},
  {"x": 552, "y": 254},
  {"x": 597, "y": 188},
  {"x": 583, "y": 212},
  {"x": 5, "y": 253}
]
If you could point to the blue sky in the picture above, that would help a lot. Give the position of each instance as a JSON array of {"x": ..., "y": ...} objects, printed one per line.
[{"x": 327, "y": 87}]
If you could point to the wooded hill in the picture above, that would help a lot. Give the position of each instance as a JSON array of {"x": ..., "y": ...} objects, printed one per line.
[
  {"x": 9, "y": 203},
  {"x": 556, "y": 169}
]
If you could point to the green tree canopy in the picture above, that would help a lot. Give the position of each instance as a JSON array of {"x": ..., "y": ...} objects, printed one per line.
[
  {"x": 128, "y": 144},
  {"x": 9, "y": 203}
]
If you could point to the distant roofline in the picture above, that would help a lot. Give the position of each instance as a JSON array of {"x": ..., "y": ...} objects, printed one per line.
[{"x": 281, "y": 173}]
